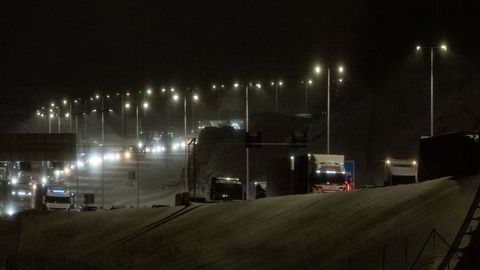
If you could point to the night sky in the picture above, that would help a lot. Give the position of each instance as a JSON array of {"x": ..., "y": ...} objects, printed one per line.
[{"x": 51, "y": 49}]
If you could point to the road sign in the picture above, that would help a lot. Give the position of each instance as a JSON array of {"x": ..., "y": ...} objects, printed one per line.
[{"x": 349, "y": 166}]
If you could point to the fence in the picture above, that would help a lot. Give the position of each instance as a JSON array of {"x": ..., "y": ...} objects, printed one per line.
[{"x": 398, "y": 255}]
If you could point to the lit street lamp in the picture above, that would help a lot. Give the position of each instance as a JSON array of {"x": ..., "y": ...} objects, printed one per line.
[
  {"x": 247, "y": 163},
  {"x": 307, "y": 83},
  {"x": 276, "y": 84},
  {"x": 442, "y": 47},
  {"x": 317, "y": 70}
]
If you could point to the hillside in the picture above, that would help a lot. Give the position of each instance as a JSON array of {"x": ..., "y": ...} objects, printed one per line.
[{"x": 314, "y": 231}]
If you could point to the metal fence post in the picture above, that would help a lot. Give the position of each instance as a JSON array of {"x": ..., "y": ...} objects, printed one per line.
[
  {"x": 433, "y": 245},
  {"x": 406, "y": 253},
  {"x": 383, "y": 256}
]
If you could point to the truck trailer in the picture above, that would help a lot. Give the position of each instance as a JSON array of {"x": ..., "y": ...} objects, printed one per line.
[{"x": 454, "y": 154}]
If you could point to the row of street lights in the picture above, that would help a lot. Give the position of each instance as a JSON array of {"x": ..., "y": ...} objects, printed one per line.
[{"x": 194, "y": 97}]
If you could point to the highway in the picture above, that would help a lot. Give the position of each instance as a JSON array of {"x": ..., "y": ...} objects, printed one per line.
[{"x": 160, "y": 179}]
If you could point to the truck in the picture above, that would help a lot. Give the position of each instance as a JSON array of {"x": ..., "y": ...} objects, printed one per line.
[
  {"x": 58, "y": 198},
  {"x": 454, "y": 154},
  {"x": 400, "y": 171},
  {"x": 217, "y": 189},
  {"x": 328, "y": 174}
]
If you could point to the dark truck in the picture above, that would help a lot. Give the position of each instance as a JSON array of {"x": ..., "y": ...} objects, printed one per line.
[
  {"x": 454, "y": 154},
  {"x": 216, "y": 189}
]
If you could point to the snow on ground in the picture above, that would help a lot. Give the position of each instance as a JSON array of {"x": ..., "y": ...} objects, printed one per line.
[{"x": 314, "y": 231}]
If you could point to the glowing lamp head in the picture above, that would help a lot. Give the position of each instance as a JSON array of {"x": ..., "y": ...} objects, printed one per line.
[
  {"x": 175, "y": 97},
  {"x": 280, "y": 83},
  {"x": 317, "y": 69},
  {"x": 258, "y": 85},
  {"x": 340, "y": 69},
  {"x": 443, "y": 47},
  {"x": 145, "y": 105},
  {"x": 236, "y": 85},
  {"x": 310, "y": 82},
  {"x": 418, "y": 48},
  {"x": 64, "y": 102},
  {"x": 127, "y": 105},
  {"x": 388, "y": 161},
  {"x": 195, "y": 97},
  {"x": 149, "y": 91}
]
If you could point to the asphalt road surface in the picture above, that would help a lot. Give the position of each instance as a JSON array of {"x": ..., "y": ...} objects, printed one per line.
[{"x": 160, "y": 178}]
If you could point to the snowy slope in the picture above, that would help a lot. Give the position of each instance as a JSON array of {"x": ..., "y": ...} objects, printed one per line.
[{"x": 314, "y": 231}]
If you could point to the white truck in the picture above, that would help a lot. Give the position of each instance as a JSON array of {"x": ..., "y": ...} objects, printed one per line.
[
  {"x": 329, "y": 174},
  {"x": 400, "y": 171},
  {"x": 58, "y": 198}
]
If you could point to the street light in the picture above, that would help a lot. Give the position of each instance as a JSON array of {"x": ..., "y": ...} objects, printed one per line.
[
  {"x": 247, "y": 163},
  {"x": 149, "y": 91},
  {"x": 276, "y": 84},
  {"x": 307, "y": 83},
  {"x": 340, "y": 70},
  {"x": 442, "y": 47}
]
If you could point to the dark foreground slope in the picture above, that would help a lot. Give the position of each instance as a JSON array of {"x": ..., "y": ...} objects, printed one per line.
[{"x": 315, "y": 231}]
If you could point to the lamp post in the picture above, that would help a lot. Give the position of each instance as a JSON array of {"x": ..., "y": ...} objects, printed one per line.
[
  {"x": 317, "y": 70},
  {"x": 247, "y": 163},
  {"x": 442, "y": 47},
  {"x": 307, "y": 83},
  {"x": 219, "y": 103},
  {"x": 276, "y": 84}
]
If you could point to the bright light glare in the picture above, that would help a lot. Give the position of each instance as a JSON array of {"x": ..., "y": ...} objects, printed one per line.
[
  {"x": 340, "y": 69},
  {"x": 317, "y": 69},
  {"x": 67, "y": 115},
  {"x": 214, "y": 86},
  {"x": 66, "y": 170},
  {"x": 388, "y": 161},
  {"x": 175, "y": 97},
  {"x": 310, "y": 82},
  {"x": 235, "y": 85},
  {"x": 64, "y": 102},
  {"x": 10, "y": 211},
  {"x": 80, "y": 164},
  {"x": 172, "y": 89},
  {"x": 414, "y": 162},
  {"x": 443, "y": 47},
  {"x": 145, "y": 105},
  {"x": 258, "y": 85},
  {"x": 418, "y": 48},
  {"x": 44, "y": 180},
  {"x": 127, "y": 105},
  {"x": 163, "y": 90},
  {"x": 14, "y": 180},
  {"x": 195, "y": 97},
  {"x": 128, "y": 155},
  {"x": 149, "y": 91},
  {"x": 94, "y": 160},
  {"x": 140, "y": 144},
  {"x": 97, "y": 96},
  {"x": 280, "y": 83}
]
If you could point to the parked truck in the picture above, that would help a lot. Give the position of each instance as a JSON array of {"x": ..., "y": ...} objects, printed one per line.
[
  {"x": 454, "y": 154},
  {"x": 217, "y": 189},
  {"x": 329, "y": 174},
  {"x": 400, "y": 171}
]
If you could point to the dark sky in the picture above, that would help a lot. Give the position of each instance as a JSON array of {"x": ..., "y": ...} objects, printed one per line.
[{"x": 53, "y": 48}]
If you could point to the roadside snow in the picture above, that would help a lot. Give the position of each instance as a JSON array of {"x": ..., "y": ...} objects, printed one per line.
[{"x": 314, "y": 231}]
